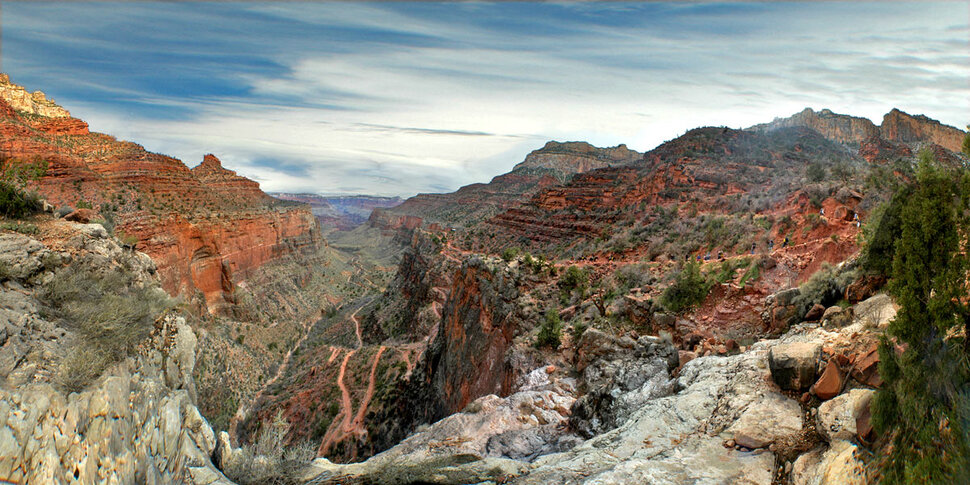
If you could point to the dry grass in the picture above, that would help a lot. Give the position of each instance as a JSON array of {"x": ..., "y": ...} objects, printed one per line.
[{"x": 109, "y": 313}]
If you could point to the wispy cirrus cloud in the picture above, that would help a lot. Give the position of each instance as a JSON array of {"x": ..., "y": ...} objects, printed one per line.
[{"x": 400, "y": 98}]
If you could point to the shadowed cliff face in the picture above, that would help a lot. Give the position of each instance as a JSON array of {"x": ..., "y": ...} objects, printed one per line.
[
  {"x": 467, "y": 358},
  {"x": 207, "y": 227}
]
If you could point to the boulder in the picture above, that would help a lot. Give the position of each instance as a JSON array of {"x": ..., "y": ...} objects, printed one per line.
[
  {"x": 794, "y": 366},
  {"x": 866, "y": 368},
  {"x": 831, "y": 382},
  {"x": 875, "y": 312},
  {"x": 863, "y": 288},
  {"x": 686, "y": 356},
  {"x": 815, "y": 313},
  {"x": 837, "y": 417},
  {"x": 83, "y": 216},
  {"x": 863, "y": 421},
  {"x": 773, "y": 417},
  {"x": 780, "y": 311},
  {"x": 831, "y": 312},
  {"x": 842, "y": 463},
  {"x": 836, "y": 316}
]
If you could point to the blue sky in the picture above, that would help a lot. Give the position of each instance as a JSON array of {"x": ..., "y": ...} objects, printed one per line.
[{"x": 400, "y": 98}]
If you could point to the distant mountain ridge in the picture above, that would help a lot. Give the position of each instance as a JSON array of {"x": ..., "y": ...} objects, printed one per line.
[
  {"x": 551, "y": 165},
  {"x": 341, "y": 211}
]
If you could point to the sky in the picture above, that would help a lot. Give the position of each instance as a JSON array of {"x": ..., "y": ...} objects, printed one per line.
[{"x": 400, "y": 98}]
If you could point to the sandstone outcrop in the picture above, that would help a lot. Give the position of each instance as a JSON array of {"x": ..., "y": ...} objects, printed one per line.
[
  {"x": 842, "y": 128},
  {"x": 905, "y": 128},
  {"x": 207, "y": 227},
  {"x": 794, "y": 366},
  {"x": 34, "y": 103},
  {"x": 897, "y": 126}
]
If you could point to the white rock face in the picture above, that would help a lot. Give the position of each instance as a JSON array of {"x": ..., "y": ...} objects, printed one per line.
[
  {"x": 877, "y": 311},
  {"x": 33, "y": 103},
  {"x": 478, "y": 442},
  {"x": 126, "y": 428},
  {"x": 837, "y": 416},
  {"x": 669, "y": 440},
  {"x": 679, "y": 438},
  {"x": 843, "y": 463},
  {"x": 137, "y": 423}
]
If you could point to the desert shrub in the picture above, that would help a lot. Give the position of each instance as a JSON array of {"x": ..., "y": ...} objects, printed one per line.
[
  {"x": 268, "y": 460},
  {"x": 826, "y": 286},
  {"x": 550, "y": 330},
  {"x": 577, "y": 329},
  {"x": 688, "y": 289},
  {"x": 109, "y": 313},
  {"x": 15, "y": 203},
  {"x": 752, "y": 274},
  {"x": 633, "y": 276},
  {"x": 21, "y": 227},
  {"x": 815, "y": 172},
  {"x": 536, "y": 265},
  {"x": 573, "y": 280},
  {"x": 508, "y": 254}
]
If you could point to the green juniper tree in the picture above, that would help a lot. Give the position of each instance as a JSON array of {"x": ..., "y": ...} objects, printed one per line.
[{"x": 922, "y": 408}]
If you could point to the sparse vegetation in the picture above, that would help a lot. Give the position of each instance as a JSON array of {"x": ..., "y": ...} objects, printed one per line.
[
  {"x": 574, "y": 280},
  {"x": 268, "y": 461},
  {"x": 550, "y": 330},
  {"x": 109, "y": 312},
  {"x": 15, "y": 174},
  {"x": 815, "y": 172},
  {"x": 508, "y": 254},
  {"x": 826, "y": 286},
  {"x": 19, "y": 226},
  {"x": 688, "y": 289}
]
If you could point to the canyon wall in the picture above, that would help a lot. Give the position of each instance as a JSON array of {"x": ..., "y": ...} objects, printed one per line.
[{"x": 206, "y": 227}]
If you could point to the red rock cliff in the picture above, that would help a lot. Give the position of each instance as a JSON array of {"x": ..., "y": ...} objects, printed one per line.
[
  {"x": 901, "y": 127},
  {"x": 206, "y": 228}
]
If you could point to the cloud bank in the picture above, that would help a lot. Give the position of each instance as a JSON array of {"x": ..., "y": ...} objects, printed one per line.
[{"x": 399, "y": 98}]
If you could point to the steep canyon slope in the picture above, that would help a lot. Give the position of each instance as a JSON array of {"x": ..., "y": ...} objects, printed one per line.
[{"x": 207, "y": 227}]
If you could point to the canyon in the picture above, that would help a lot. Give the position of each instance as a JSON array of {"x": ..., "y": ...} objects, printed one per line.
[
  {"x": 524, "y": 330},
  {"x": 207, "y": 227}
]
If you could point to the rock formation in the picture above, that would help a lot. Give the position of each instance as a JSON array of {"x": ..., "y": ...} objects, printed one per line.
[
  {"x": 901, "y": 127},
  {"x": 35, "y": 103},
  {"x": 896, "y": 126},
  {"x": 548, "y": 166},
  {"x": 207, "y": 228},
  {"x": 135, "y": 423}
]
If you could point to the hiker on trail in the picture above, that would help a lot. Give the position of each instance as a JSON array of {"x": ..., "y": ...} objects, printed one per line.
[
  {"x": 785, "y": 244},
  {"x": 752, "y": 248},
  {"x": 858, "y": 223},
  {"x": 821, "y": 211},
  {"x": 720, "y": 255},
  {"x": 771, "y": 245},
  {"x": 855, "y": 216},
  {"x": 707, "y": 256}
]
